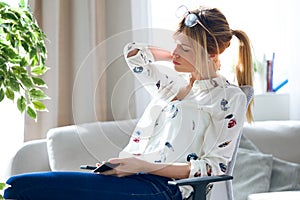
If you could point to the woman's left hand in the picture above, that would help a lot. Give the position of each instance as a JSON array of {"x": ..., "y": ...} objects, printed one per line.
[{"x": 128, "y": 166}]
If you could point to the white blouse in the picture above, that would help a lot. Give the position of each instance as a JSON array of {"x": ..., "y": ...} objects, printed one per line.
[{"x": 202, "y": 128}]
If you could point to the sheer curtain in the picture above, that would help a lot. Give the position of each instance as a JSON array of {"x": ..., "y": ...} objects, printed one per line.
[{"x": 76, "y": 80}]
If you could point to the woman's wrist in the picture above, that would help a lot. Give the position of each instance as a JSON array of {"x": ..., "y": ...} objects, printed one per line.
[
  {"x": 176, "y": 170},
  {"x": 146, "y": 167},
  {"x": 160, "y": 54}
]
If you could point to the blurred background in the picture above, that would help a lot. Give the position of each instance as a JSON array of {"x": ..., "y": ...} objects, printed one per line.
[{"x": 89, "y": 80}]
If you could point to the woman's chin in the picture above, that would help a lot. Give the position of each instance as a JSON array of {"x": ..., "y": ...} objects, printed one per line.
[
  {"x": 179, "y": 68},
  {"x": 175, "y": 67}
]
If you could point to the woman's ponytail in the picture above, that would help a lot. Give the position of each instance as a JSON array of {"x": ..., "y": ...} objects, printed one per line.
[{"x": 244, "y": 67}]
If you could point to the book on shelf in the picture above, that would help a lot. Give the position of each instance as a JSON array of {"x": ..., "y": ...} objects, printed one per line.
[
  {"x": 269, "y": 76},
  {"x": 270, "y": 67}
]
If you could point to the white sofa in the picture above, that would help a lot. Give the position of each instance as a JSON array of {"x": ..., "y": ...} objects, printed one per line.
[{"x": 66, "y": 148}]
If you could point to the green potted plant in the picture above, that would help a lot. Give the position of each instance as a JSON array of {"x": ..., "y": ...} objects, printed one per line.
[
  {"x": 2, "y": 187},
  {"x": 22, "y": 60}
]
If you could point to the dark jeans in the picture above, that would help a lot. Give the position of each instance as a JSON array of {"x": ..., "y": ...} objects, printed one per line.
[{"x": 85, "y": 186}]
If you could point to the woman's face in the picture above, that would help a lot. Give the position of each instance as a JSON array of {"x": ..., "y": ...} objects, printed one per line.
[{"x": 183, "y": 54}]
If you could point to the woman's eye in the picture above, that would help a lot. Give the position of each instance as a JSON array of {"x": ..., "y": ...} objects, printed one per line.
[{"x": 185, "y": 49}]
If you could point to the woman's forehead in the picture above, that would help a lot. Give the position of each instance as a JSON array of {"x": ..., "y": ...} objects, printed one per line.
[{"x": 182, "y": 39}]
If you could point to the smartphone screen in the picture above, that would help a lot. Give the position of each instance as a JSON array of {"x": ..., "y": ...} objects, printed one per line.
[{"x": 105, "y": 167}]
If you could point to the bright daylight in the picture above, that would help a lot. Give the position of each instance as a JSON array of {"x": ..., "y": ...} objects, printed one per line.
[{"x": 130, "y": 99}]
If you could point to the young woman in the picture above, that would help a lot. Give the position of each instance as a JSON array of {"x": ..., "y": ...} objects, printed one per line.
[{"x": 189, "y": 128}]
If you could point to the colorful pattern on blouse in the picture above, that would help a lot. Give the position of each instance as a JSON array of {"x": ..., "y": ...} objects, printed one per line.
[{"x": 200, "y": 129}]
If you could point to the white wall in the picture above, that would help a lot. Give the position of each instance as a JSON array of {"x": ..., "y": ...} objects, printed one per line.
[{"x": 293, "y": 61}]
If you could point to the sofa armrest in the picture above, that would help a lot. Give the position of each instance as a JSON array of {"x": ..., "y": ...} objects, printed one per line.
[{"x": 31, "y": 157}]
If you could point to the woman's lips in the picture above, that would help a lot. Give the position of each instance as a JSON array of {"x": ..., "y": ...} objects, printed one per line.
[{"x": 176, "y": 63}]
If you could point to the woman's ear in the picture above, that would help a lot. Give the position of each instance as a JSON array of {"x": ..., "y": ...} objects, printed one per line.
[{"x": 216, "y": 61}]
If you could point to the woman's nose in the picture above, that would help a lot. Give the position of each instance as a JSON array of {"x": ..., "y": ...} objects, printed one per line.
[{"x": 175, "y": 54}]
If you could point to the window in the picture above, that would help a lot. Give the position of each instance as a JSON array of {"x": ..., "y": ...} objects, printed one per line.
[
  {"x": 11, "y": 2},
  {"x": 263, "y": 21},
  {"x": 12, "y": 126}
]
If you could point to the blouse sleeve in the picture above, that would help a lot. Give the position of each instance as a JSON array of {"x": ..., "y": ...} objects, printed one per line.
[
  {"x": 154, "y": 77},
  {"x": 228, "y": 116}
]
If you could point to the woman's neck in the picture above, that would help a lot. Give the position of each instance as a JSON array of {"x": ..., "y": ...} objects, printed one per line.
[
  {"x": 196, "y": 76},
  {"x": 183, "y": 92}
]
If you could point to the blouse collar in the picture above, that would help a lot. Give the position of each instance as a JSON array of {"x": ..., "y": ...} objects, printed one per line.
[{"x": 209, "y": 83}]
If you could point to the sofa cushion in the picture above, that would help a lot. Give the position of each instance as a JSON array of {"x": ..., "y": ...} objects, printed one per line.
[
  {"x": 246, "y": 143},
  {"x": 251, "y": 174},
  {"x": 285, "y": 176}
]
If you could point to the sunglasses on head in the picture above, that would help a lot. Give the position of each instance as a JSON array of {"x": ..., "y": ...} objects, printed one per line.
[{"x": 190, "y": 19}]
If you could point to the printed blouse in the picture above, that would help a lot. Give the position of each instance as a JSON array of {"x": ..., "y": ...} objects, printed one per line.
[{"x": 201, "y": 129}]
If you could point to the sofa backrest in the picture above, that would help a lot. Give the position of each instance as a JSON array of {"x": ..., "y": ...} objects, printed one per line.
[
  {"x": 279, "y": 138},
  {"x": 86, "y": 144}
]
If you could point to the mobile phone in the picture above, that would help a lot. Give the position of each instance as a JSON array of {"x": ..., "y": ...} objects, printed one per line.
[
  {"x": 105, "y": 167},
  {"x": 88, "y": 167}
]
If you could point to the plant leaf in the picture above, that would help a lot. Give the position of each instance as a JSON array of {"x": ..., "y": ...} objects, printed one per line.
[
  {"x": 9, "y": 15},
  {"x": 2, "y": 61},
  {"x": 21, "y": 103},
  {"x": 39, "y": 70},
  {"x": 19, "y": 70},
  {"x": 33, "y": 57},
  {"x": 22, "y": 4},
  {"x": 29, "y": 15},
  {"x": 2, "y": 95},
  {"x": 14, "y": 85},
  {"x": 26, "y": 81},
  {"x": 2, "y": 77},
  {"x": 38, "y": 81},
  {"x": 25, "y": 46},
  {"x": 2, "y": 186},
  {"x": 10, "y": 53},
  {"x": 2, "y": 4},
  {"x": 22, "y": 58},
  {"x": 31, "y": 112},
  {"x": 37, "y": 94},
  {"x": 39, "y": 106},
  {"x": 10, "y": 94}
]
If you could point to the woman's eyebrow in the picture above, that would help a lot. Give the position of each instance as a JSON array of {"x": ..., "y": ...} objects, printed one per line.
[
  {"x": 182, "y": 44},
  {"x": 186, "y": 45}
]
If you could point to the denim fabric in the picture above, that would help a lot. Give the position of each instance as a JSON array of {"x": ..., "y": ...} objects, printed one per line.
[{"x": 82, "y": 185}]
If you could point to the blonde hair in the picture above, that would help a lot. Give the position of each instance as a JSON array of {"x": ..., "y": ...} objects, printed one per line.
[{"x": 214, "y": 36}]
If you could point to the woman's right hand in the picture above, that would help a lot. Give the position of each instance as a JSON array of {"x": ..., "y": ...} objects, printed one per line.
[
  {"x": 132, "y": 53},
  {"x": 127, "y": 166}
]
